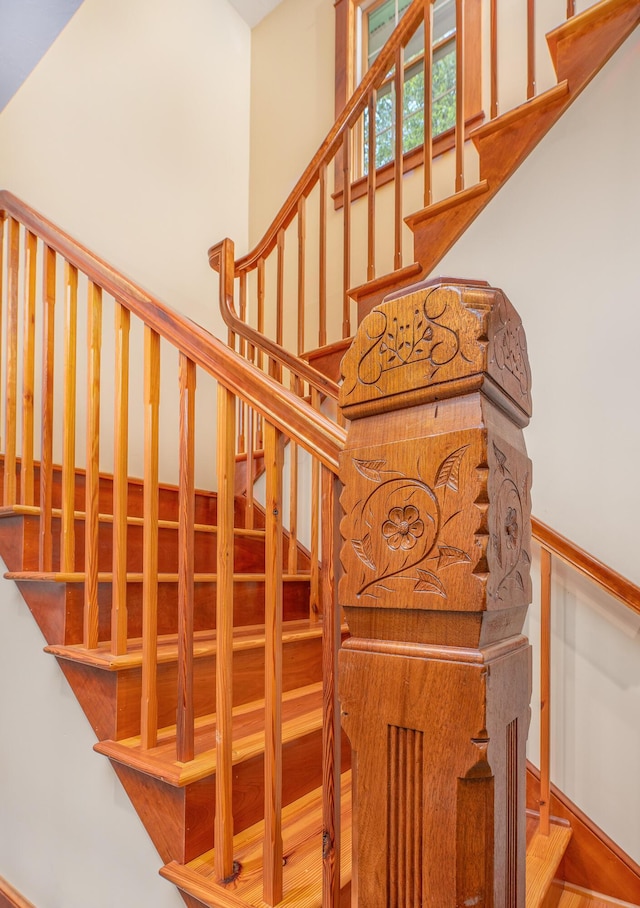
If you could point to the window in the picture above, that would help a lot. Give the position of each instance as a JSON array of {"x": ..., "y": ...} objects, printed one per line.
[
  {"x": 376, "y": 22},
  {"x": 362, "y": 28}
]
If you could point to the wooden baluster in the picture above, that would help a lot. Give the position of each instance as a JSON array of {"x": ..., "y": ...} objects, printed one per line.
[
  {"x": 223, "y": 829},
  {"x": 460, "y": 80},
  {"x": 571, "y": 8},
  {"x": 428, "y": 103},
  {"x": 371, "y": 187},
  {"x": 261, "y": 292},
  {"x": 331, "y": 733},
  {"x": 186, "y": 556},
  {"x": 260, "y": 306},
  {"x": 2, "y": 286},
  {"x": 28, "y": 368},
  {"x": 545, "y": 690},
  {"x": 398, "y": 82},
  {"x": 249, "y": 511},
  {"x": 242, "y": 408},
  {"x": 275, "y": 367},
  {"x": 273, "y": 456},
  {"x": 292, "y": 555},
  {"x": 302, "y": 239},
  {"x": 45, "y": 558},
  {"x": 314, "y": 593},
  {"x": 92, "y": 487},
  {"x": 67, "y": 539},
  {"x": 11, "y": 389},
  {"x": 493, "y": 28},
  {"x": 322, "y": 255},
  {"x": 531, "y": 49},
  {"x": 346, "y": 220},
  {"x": 149, "y": 715},
  {"x": 120, "y": 480}
]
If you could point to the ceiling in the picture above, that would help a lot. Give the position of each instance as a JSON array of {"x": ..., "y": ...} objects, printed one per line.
[{"x": 252, "y": 11}]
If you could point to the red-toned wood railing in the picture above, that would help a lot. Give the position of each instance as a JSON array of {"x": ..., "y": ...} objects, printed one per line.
[
  {"x": 553, "y": 545},
  {"x": 319, "y": 310},
  {"x": 99, "y": 375}
]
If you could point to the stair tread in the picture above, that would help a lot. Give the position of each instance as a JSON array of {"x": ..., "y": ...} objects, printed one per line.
[
  {"x": 137, "y": 577},
  {"x": 302, "y": 849},
  {"x": 544, "y": 854},
  {"x": 553, "y": 94},
  {"x": 205, "y": 644},
  {"x": 438, "y": 208},
  {"x": 301, "y": 714},
  {"x": 24, "y": 510},
  {"x": 576, "y": 897}
]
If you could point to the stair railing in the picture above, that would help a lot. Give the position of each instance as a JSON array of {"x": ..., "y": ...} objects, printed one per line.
[
  {"x": 321, "y": 256},
  {"x": 554, "y": 545},
  {"x": 44, "y": 276}
]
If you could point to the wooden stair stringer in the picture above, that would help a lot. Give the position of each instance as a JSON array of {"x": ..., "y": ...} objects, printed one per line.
[
  {"x": 597, "y": 32},
  {"x": 592, "y": 860}
]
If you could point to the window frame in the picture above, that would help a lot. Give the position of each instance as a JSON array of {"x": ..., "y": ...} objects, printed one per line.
[{"x": 348, "y": 49}]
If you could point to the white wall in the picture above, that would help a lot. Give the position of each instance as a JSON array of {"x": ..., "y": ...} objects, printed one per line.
[{"x": 132, "y": 134}]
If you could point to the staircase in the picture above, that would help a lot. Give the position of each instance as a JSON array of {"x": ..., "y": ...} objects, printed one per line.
[{"x": 128, "y": 579}]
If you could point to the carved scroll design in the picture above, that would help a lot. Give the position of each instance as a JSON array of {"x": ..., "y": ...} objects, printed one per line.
[
  {"x": 507, "y": 537},
  {"x": 417, "y": 333},
  {"x": 402, "y": 523},
  {"x": 510, "y": 347}
]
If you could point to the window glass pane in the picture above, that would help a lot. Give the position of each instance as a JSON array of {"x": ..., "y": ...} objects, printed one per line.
[
  {"x": 444, "y": 19},
  {"x": 381, "y": 22}
]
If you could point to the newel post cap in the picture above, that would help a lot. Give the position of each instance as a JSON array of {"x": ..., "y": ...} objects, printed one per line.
[{"x": 443, "y": 339}]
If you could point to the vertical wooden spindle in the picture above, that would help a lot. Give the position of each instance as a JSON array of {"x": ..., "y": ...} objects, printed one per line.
[
  {"x": 149, "y": 714},
  {"x": 273, "y": 456},
  {"x": 186, "y": 560},
  {"x": 275, "y": 367},
  {"x": 2, "y": 286},
  {"x": 67, "y": 539},
  {"x": 28, "y": 368},
  {"x": 545, "y": 690},
  {"x": 120, "y": 480},
  {"x": 314, "y": 593},
  {"x": 260, "y": 312},
  {"x": 292, "y": 554},
  {"x": 11, "y": 381},
  {"x": 460, "y": 82},
  {"x": 531, "y": 49},
  {"x": 322, "y": 257},
  {"x": 249, "y": 509},
  {"x": 571, "y": 8},
  {"x": 223, "y": 828},
  {"x": 493, "y": 28},
  {"x": 331, "y": 734},
  {"x": 45, "y": 558},
  {"x": 398, "y": 83},
  {"x": 346, "y": 222},
  {"x": 92, "y": 487},
  {"x": 371, "y": 187},
  {"x": 428, "y": 103},
  {"x": 302, "y": 239}
]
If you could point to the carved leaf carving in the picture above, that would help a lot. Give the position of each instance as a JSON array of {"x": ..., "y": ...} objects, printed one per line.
[
  {"x": 500, "y": 457},
  {"x": 449, "y": 470},
  {"x": 519, "y": 581},
  {"x": 524, "y": 556},
  {"x": 429, "y": 583},
  {"x": 449, "y": 554},
  {"x": 364, "y": 551},
  {"x": 370, "y": 469}
]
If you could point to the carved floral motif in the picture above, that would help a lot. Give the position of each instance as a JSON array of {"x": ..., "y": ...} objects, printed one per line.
[
  {"x": 399, "y": 528},
  {"x": 508, "y": 532},
  {"x": 510, "y": 347}
]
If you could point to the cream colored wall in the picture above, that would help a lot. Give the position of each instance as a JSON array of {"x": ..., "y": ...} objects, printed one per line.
[{"x": 133, "y": 135}]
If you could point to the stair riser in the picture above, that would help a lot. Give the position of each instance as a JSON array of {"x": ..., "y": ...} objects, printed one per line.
[
  {"x": 58, "y": 607},
  {"x": 205, "y": 502},
  {"x": 190, "y": 811},
  {"x": 111, "y": 700}
]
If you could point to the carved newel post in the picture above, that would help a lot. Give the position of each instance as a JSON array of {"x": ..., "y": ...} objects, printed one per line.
[{"x": 435, "y": 678}]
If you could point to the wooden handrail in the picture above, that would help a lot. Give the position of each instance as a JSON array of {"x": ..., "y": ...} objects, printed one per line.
[
  {"x": 605, "y": 577},
  {"x": 355, "y": 106},
  {"x": 317, "y": 434}
]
